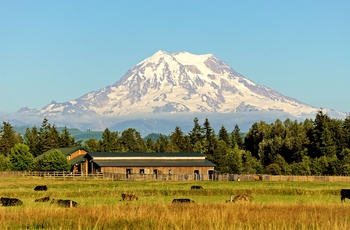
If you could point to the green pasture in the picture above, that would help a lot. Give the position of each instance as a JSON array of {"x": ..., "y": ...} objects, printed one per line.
[
  {"x": 276, "y": 205},
  {"x": 105, "y": 192}
]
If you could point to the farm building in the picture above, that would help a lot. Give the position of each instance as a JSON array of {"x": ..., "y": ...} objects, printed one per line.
[
  {"x": 75, "y": 156},
  {"x": 148, "y": 163}
]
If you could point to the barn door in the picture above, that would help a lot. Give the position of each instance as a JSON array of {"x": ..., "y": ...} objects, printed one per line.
[
  {"x": 155, "y": 172},
  {"x": 196, "y": 174},
  {"x": 211, "y": 174},
  {"x": 128, "y": 172}
]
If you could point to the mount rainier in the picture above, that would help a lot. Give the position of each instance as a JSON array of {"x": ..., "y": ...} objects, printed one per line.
[{"x": 163, "y": 90}]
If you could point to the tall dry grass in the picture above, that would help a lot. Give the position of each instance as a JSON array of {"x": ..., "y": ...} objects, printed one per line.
[
  {"x": 179, "y": 216},
  {"x": 278, "y": 205}
]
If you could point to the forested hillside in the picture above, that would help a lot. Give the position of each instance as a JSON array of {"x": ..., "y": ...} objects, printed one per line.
[
  {"x": 76, "y": 133},
  {"x": 312, "y": 147}
]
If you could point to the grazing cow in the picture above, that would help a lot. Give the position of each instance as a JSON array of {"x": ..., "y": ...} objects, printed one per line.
[
  {"x": 344, "y": 193},
  {"x": 182, "y": 200},
  {"x": 65, "y": 203},
  {"x": 196, "y": 187},
  {"x": 129, "y": 197},
  {"x": 40, "y": 188},
  {"x": 43, "y": 199},
  {"x": 242, "y": 197},
  {"x": 10, "y": 201}
]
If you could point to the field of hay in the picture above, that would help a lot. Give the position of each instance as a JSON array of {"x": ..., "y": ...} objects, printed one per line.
[{"x": 276, "y": 205}]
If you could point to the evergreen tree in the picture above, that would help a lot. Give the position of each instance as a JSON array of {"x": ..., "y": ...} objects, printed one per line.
[
  {"x": 32, "y": 141},
  {"x": 269, "y": 148},
  {"x": 346, "y": 132},
  {"x": 188, "y": 148},
  {"x": 220, "y": 156},
  {"x": 196, "y": 134},
  {"x": 223, "y": 135},
  {"x": 337, "y": 136},
  {"x": 177, "y": 141},
  {"x": 236, "y": 160},
  {"x": 8, "y": 138},
  {"x": 54, "y": 137},
  {"x": 334, "y": 166},
  {"x": 92, "y": 145},
  {"x": 199, "y": 147},
  {"x": 109, "y": 141},
  {"x": 254, "y": 136},
  {"x": 150, "y": 145},
  {"x": 66, "y": 140},
  {"x": 162, "y": 144},
  {"x": 295, "y": 142},
  {"x": 209, "y": 144},
  {"x": 277, "y": 130},
  {"x": 48, "y": 137},
  {"x": 323, "y": 143},
  {"x": 21, "y": 159},
  {"x": 345, "y": 163},
  {"x": 132, "y": 141},
  {"x": 236, "y": 138}
]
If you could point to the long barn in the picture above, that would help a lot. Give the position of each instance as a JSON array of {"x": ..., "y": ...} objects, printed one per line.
[{"x": 149, "y": 163}]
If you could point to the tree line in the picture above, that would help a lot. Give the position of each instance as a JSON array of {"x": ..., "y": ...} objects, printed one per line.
[{"x": 312, "y": 147}]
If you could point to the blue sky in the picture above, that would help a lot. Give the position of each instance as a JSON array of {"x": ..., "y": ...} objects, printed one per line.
[{"x": 60, "y": 50}]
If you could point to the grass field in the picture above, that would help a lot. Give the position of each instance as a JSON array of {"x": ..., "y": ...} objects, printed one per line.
[{"x": 276, "y": 205}]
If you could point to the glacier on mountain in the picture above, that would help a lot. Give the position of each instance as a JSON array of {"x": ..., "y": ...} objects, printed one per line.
[
  {"x": 169, "y": 86},
  {"x": 180, "y": 82}
]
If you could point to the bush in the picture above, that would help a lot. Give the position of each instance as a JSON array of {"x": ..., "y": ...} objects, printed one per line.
[
  {"x": 53, "y": 161},
  {"x": 273, "y": 169}
]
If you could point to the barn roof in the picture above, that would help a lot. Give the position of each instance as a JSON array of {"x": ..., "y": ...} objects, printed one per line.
[
  {"x": 145, "y": 156},
  {"x": 129, "y": 159},
  {"x": 151, "y": 163},
  {"x": 77, "y": 160},
  {"x": 66, "y": 151}
]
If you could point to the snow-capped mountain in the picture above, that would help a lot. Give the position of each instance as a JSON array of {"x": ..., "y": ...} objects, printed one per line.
[
  {"x": 169, "y": 86},
  {"x": 179, "y": 82}
]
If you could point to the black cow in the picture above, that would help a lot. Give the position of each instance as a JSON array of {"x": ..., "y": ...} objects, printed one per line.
[
  {"x": 344, "y": 193},
  {"x": 196, "y": 187},
  {"x": 129, "y": 197},
  {"x": 40, "y": 188},
  {"x": 65, "y": 203},
  {"x": 10, "y": 201},
  {"x": 43, "y": 199},
  {"x": 182, "y": 200}
]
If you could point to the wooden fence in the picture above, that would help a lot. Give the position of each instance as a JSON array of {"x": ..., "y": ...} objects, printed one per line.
[{"x": 174, "y": 177}]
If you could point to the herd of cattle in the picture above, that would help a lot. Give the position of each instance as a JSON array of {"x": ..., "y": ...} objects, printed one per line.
[
  {"x": 242, "y": 197},
  {"x": 344, "y": 193},
  {"x": 5, "y": 201}
]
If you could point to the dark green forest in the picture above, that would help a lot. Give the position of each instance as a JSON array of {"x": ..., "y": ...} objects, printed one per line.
[{"x": 311, "y": 147}]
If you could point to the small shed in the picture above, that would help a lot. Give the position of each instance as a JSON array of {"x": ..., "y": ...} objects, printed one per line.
[{"x": 148, "y": 163}]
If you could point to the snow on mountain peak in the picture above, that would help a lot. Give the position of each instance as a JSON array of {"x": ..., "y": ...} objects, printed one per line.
[
  {"x": 180, "y": 82},
  {"x": 160, "y": 55},
  {"x": 191, "y": 59}
]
